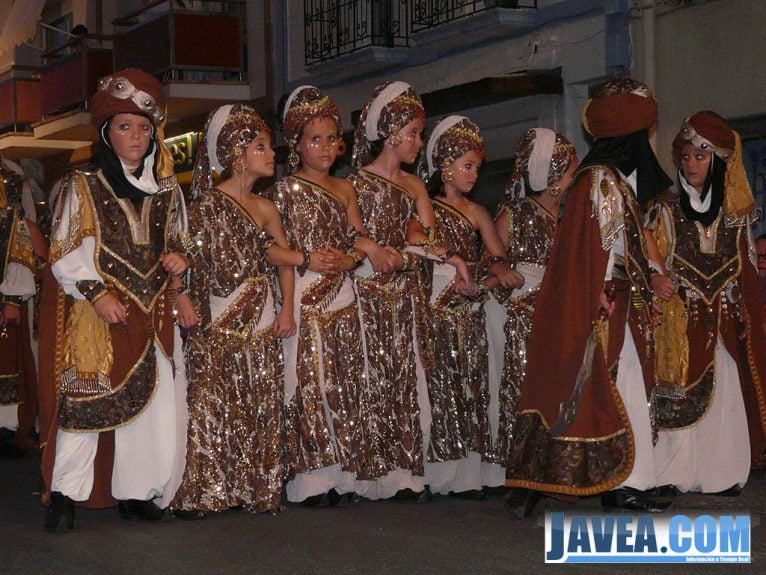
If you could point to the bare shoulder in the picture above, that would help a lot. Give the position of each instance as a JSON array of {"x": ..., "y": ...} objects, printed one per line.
[
  {"x": 265, "y": 206},
  {"x": 414, "y": 186},
  {"x": 344, "y": 190}
]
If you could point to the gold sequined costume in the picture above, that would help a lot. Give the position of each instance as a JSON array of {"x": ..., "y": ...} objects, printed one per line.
[
  {"x": 234, "y": 365},
  {"x": 324, "y": 365},
  {"x": 530, "y": 233},
  {"x": 387, "y": 310},
  {"x": 457, "y": 384}
]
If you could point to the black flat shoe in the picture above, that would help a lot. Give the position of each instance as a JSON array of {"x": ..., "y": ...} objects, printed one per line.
[
  {"x": 627, "y": 499},
  {"x": 144, "y": 510},
  {"x": 665, "y": 491},
  {"x": 410, "y": 496},
  {"x": 189, "y": 514},
  {"x": 733, "y": 491},
  {"x": 318, "y": 501},
  {"x": 349, "y": 499},
  {"x": 469, "y": 495},
  {"x": 60, "y": 506}
]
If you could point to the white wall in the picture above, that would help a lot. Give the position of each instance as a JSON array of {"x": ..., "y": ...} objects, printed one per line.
[{"x": 710, "y": 55}]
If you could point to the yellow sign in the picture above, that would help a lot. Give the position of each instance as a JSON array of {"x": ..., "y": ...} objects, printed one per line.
[{"x": 184, "y": 149}]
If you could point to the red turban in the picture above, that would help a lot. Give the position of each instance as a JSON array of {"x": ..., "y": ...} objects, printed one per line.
[
  {"x": 619, "y": 107},
  {"x": 129, "y": 91},
  {"x": 708, "y": 131}
]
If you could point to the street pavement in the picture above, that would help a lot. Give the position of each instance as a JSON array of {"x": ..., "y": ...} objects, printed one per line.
[{"x": 445, "y": 535}]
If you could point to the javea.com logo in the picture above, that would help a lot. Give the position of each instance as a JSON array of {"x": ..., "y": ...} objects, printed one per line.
[{"x": 668, "y": 538}]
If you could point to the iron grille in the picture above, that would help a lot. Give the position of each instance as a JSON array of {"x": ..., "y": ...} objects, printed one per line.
[
  {"x": 337, "y": 27},
  {"x": 430, "y": 13}
]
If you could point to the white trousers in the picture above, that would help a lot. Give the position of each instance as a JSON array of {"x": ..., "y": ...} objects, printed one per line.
[
  {"x": 145, "y": 451},
  {"x": 630, "y": 384}
]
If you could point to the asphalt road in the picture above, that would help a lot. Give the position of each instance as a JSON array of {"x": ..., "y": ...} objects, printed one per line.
[{"x": 445, "y": 535}]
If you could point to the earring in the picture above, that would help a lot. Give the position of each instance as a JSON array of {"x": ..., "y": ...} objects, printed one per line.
[
  {"x": 293, "y": 160},
  {"x": 239, "y": 165},
  {"x": 394, "y": 139},
  {"x": 554, "y": 191},
  {"x": 447, "y": 175}
]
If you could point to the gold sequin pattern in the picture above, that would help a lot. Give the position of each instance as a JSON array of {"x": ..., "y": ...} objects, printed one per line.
[
  {"x": 387, "y": 304},
  {"x": 458, "y": 385},
  {"x": 324, "y": 418},
  {"x": 236, "y": 441}
]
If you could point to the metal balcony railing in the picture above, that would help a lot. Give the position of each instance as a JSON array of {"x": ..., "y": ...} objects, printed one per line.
[
  {"x": 335, "y": 28},
  {"x": 430, "y": 13}
]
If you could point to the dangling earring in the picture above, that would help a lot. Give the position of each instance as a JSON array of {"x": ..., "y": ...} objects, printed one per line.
[
  {"x": 293, "y": 160},
  {"x": 394, "y": 139},
  {"x": 447, "y": 175},
  {"x": 554, "y": 191},
  {"x": 239, "y": 165}
]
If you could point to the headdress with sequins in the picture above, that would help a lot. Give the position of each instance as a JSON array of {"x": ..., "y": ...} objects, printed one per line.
[
  {"x": 228, "y": 131},
  {"x": 451, "y": 138},
  {"x": 708, "y": 131},
  {"x": 542, "y": 157},
  {"x": 304, "y": 104},
  {"x": 393, "y": 105}
]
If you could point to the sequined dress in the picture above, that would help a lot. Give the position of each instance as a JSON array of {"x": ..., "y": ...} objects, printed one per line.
[
  {"x": 324, "y": 363},
  {"x": 235, "y": 439},
  {"x": 457, "y": 384},
  {"x": 530, "y": 232},
  {"x": 387, "y": 304}
]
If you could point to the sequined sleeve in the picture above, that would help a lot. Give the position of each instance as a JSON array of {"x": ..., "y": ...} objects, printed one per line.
[
  {"x": 201, "y": 226},
  {"x": 607, "y": 203}
]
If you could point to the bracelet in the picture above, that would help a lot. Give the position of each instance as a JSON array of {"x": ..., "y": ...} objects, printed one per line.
[
  {"x": 355, "y": 255},
  {"x": 492, "y": 260},
  {"x": 301, "y": 269}
]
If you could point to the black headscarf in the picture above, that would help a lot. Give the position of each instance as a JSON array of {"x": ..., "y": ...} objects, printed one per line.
[
  {"x": 714, "y": 184},
  {"x": 112, "y": 169},
  {"x": 628, "y": 153}
]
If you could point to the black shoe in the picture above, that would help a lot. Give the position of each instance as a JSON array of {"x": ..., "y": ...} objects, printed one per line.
[
  {"x": 342, "y": 500},
  {"x": 410, "y": 496},
  {"x": 189, "y": 514},
  {"x": 628, "y": 499},
  {"x": 59, "y": 506},
  {"x": 350, "y": 499},
  {"x": 522, "y": 502},
  {"x": 318, "y": 501},
  {"x": 469, "y": 495},
  {"x": 144, "y": 510},
  {"x": 733, "y": 491},
  {"x": 665, "y": 491}
]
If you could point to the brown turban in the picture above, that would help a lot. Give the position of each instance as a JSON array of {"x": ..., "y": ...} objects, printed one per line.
[
  {"x": 129, "y": 91},
  {"x": 619, "y": 107},
  {"x": 709, "y": 131}
]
